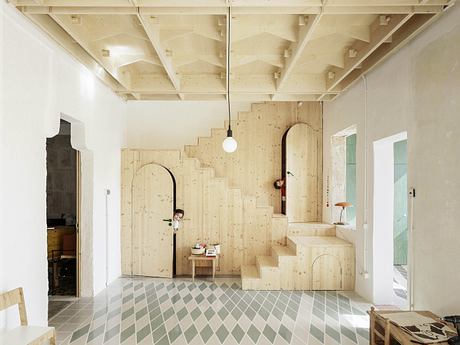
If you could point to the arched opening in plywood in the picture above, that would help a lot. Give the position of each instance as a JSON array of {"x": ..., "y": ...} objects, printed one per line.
[
  {"x": 326, "y": 273},
  {"x": 152, "y": 192},
  {"x": 300, "y": 171}
]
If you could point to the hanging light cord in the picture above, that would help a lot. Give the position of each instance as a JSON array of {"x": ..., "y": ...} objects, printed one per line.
[{"x": 229, "y": 30}]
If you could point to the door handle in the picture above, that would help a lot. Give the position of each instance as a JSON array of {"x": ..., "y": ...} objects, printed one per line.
[{"x": 168, "y": 220}]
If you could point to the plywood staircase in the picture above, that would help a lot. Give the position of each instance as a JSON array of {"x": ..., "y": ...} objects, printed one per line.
[
  {"x": 249, "y": 229},
  {"x": 296, "y": 256},
  {"x": 313, "y": 259}
]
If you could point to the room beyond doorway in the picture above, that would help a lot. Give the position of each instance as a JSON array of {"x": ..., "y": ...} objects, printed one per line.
[
  {"x": 62, "y": 197},
  {"x": 400, "y": 234},
  {"x": 390, "y": 224}
]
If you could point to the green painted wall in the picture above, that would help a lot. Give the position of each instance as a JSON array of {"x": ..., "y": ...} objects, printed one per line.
[
  {"x": 400, "y": 203},
  {"x": 351, "y": 178}
]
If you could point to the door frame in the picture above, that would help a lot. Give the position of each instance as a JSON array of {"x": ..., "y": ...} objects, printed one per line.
[{"x": 78, "y": 221}]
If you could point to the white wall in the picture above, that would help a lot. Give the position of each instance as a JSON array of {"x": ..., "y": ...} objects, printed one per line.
[
  {"x": 417, "y": 90},
  {"x": 146, "y": 127},
  {"x": 41, "y": 83}
]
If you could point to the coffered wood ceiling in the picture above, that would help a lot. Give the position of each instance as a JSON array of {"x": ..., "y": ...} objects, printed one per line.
[{"x": 280, "y": 49}]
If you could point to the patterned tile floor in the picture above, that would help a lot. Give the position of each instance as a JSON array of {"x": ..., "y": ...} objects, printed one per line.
[{"x": 160, "y": 311}]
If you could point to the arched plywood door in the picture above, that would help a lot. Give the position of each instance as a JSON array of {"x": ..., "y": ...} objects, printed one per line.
[
  {"x": 302, "y": 199},
  {"x": 152, "y": 238},
  {"x": 326, "y": 273}
]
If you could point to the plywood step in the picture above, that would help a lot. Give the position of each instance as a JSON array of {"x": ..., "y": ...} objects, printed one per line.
[
  {"x": 311, "y": 229},
  {"x": 282, "y": 251},
  {"x": 266, "y": 263},
  {"x": 283, "y": 254},
  {"x": 249, "y": 272},
  {"x": 317, "y": 241},
  {"x": 279, "y": 215},
  {"x": 250, "y": 280}
]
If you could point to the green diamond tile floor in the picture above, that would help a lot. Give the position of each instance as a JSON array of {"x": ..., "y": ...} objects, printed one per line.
[{"x": 145, "y": 311}]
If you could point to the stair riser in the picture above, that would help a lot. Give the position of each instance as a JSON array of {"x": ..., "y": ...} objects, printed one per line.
[
  {"x": 292, "y": 245},
  {"x": 284, "y": 260}
]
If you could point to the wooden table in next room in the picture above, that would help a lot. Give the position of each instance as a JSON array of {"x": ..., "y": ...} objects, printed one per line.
[{"x": 195, "y": 258}]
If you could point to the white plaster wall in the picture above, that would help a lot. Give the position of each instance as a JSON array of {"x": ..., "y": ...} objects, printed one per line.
[
  {"x": 417, "y": 90},
  {"x": 146, "y": 127},
  {"x": 40, "y": 82}
]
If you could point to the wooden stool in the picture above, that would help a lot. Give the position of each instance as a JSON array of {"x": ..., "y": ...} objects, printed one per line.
[{"x": 213, "y": 259}]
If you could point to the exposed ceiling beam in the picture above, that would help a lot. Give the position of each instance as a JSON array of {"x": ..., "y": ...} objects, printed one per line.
[
  {"x": 108, "y": 65},
  {"x": 55, "y": 31},
  {"x": 154, "y": 37},
  {"x": 412, "y": 27},
  {"x": 381, "y": 30},
  {"x": 261, "y": 84},
  {"x": 233, "y": 3},
  {"x": 222, "y": 10},
  {"x": 296, "y": 48}
]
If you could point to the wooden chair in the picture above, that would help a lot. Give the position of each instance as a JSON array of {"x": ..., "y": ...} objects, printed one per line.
[
  {"x": 24, "y": 334},
  {"x": 379, "y": 329}
]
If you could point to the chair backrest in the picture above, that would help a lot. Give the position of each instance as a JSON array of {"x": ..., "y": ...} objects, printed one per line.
[{"x": 14, "y": 297}]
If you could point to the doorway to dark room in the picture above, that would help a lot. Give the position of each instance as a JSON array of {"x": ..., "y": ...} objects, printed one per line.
[{"x": 62, "y": 199}]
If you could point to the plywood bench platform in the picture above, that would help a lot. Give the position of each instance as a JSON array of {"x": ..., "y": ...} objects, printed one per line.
[{"x": 306, "y": 263}]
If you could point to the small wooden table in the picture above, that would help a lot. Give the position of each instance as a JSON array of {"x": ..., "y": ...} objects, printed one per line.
[
  {"x": 382, "y": 331},
  {"x": 195, "y": 258}
]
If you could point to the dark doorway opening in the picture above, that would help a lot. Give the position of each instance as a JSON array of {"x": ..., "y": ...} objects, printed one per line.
[{"x": 62, "y": 199}]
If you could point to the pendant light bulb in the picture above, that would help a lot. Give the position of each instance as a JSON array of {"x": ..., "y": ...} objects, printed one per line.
[{"x": 229, "y": 144}]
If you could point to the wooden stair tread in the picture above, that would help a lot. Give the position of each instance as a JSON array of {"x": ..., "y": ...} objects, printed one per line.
[
  {"x": 266, "y": 261},
  {"x": 283, "y": 251},
  {"x": 279, "y": 215},
  {"x": 311, "y": 225},
  {"x": 318, "y": 241},
  {"x": 249, "y": 272}
]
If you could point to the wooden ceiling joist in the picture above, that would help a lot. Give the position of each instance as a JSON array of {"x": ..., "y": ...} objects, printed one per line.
[
  {"x": 154, "y": 36},
  {"x": 381, "y": 30},
  {"x": 155, "y": 10},
  {"x": 69, "y": 44},
  {"x": 296, "y": 48},
  {"x": 414, "y": 25},
  {"x": 281, "y": 49}
]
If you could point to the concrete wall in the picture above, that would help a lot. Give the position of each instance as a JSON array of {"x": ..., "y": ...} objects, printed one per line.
[
  {"x": 417, "y": 90},
  {"x": 40, "y": 84},
  {"x": 146, "y": 127}
]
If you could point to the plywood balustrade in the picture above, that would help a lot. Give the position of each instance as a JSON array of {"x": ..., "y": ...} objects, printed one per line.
[
  {"x": 256, "y": 164},
  {"x": 214, "y": 213}
]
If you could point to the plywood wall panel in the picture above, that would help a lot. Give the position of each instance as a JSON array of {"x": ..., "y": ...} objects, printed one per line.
[
  {"x": 257, "y": 161},
  {"x": 227, "y": 198},
  {"x": 214, "y": 213}
]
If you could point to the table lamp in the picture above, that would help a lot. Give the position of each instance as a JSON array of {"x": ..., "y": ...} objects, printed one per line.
[{"x": 343, "y": 205}]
